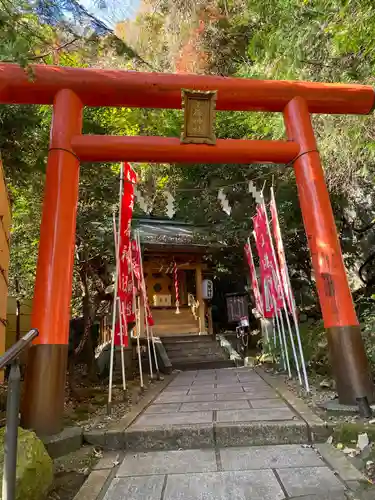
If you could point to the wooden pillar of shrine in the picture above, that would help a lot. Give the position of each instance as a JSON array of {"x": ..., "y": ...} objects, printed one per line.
[{"x": 201, "y": 307}]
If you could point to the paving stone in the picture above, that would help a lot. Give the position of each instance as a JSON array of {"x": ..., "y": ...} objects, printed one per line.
[
  {"x": 251, "y": 379},
  {"x": 179, "y": 386},
  {"x": 114, "y": 439},
  {"x": 215, "y": 405},
  {"x": 109, "y": 460},
  {"x": 260, "y": 433},
  {"x": 163, "y": 408},
  {"x": 339, "y": 463},
  {"x": 257, "y": 388},
  {"x": 157, "y": 419},
  {"x": 204, "y": 381},
  {"x": 202, "y": 387},
  {"x": 309, "y": 480},
  {"x": 260, "y": 485},
  {"x": 228, "y": 383},
  {"x": 168, "y": 462},
  {"x": 167, "y": 398},
  {"x": 254, "y": 415},
  {"x": 268, "y": 403},
  {"x": 269, "y": 457},
  {"x": 170, "y": 438},
  {"x": 176, "y": 390},
  {"x": 230, "y": 396},
  {"x": 93, "y": 485},
  {"x": 335, "y": 495},
  {"x": 183, "y": 379},
  {"x": 254, "y": 383},
  {"x": 135, "y": 488},
  {"x": 207, "y": 390},
  {"x": 261, "y": 394},
  {"x": 95, "y": 437}
]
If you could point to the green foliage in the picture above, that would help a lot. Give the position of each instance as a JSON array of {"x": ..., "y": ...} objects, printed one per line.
[
  {"x": 368, "y": 333},
  {"x": 325, "y": 40},
  {"x": 314, "y": 344}
]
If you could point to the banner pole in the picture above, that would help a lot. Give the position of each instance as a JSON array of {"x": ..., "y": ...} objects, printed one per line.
[
  {"x": 115, "y": 291},
  {"x": 118, "y": 304},
  {"x": 290, "y": 296},
  {"x": 137, "y": 320},
  {"x": 144, "y": 297},
  {"x": 149, "y": 328},
  {"x": 282, "y": 337},
  {"x": 274, "y": 332},
  {"x": 122, "y": 347},
  {"x": 280, "y": 286}
]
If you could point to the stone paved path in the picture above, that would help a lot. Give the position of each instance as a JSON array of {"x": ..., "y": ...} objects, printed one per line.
[{"x": 217, "y": 469}]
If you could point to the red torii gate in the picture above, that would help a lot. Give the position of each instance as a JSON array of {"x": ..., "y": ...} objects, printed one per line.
[{"x": 69, "y": 90}]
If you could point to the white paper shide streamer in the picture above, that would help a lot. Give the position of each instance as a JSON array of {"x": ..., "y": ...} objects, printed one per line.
[
  {"x": 141, "y": 201},
  {"x": 257, "y": 195},
  {"x": 170, "y": 211},
  {"x": 222, "y": 197}
]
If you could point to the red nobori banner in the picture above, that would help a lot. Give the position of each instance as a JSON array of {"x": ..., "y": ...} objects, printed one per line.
[
  {"x": 271, "y": 293},
  {"x": 253, "y": 279},
  {"x": 126, "y": 283},
  {"x": 136, "y": 262},
  {"x": 288, "y": 292}
]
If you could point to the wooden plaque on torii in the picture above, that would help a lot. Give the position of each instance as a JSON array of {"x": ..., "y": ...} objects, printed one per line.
[{"x": 199, "y": 116}]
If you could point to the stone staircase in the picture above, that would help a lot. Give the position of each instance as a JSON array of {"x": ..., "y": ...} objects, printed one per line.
[
  {"x": 167, "y": 322},
  {"x": 195, "y": 352}
]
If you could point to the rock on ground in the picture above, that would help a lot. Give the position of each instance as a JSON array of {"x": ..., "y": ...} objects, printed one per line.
[{"x": 34, "y": 466}]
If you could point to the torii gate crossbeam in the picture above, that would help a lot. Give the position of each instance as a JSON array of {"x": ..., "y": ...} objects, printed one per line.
[{"x": 69, "y": 90}]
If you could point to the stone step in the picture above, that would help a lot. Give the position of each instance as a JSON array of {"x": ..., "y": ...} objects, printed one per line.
[
  {"x": 172, "y": 312},
  {"x": 193, "y": 357},
  {"x": 196, "y": 355},
  {"x": 200, "y": 436},
  {"x": 188, "y": 339},
  {"x": 178, "y": 329},
  {"x": 201, "y": 353},
  {"x": 197, "y": 348},
  {"x": 206, "y": 364}
]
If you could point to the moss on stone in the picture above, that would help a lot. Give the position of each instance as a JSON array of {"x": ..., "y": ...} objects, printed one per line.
[
  {"x": 346, "y": 433},
  {"x": 34, "y": 466}
]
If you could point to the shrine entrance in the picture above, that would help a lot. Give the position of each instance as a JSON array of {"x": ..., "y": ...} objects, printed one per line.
[{"x": 70, "y": 89}]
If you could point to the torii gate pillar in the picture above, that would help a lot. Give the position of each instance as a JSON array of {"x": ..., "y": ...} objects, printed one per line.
[
  {"x": 348, "y": 357},
  {"x": 43, "y": 402}
]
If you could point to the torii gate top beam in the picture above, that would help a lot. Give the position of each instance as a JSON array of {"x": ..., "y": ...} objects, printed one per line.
[{"x": 98, "y": 87}]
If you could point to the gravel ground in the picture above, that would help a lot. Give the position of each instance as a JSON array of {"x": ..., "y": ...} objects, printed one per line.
[{"x": 91, "y": 411}]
